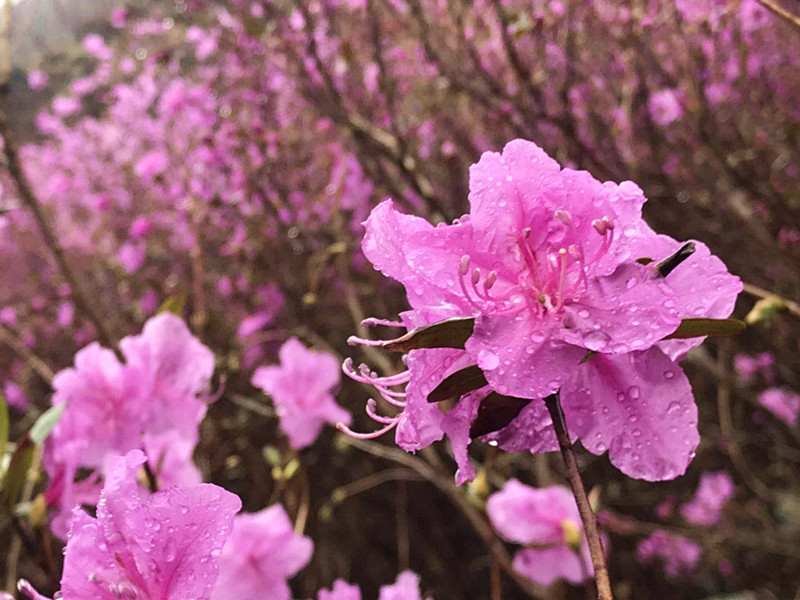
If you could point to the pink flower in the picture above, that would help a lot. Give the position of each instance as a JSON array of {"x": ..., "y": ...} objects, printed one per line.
[
  {"x": 301, "y": 389},
  {"x": 405, "y": 588},
  {"x": 750, "y": 366},
  {"x": 679, "y": 555},
  {"x": 37, "y": 80},
  {"x": 15, "y": 396},
  {"x": 552, "y": 264},
  {"x": 547, "y": 518},
  {"x": 96, "y": 46},
  {"x": 341, "y": 591},
  {"x": 665, "y": 107},
  {"x": 714, "y": 491},
  {"x": 154, "y": 401},
  {"x": 782, "y": 403},
  {"x": 262, "y": 552},
  {"x": 65, "y": 106},
  {"x": 152, "y": 164},
  {"x": 159, "y": 547}
]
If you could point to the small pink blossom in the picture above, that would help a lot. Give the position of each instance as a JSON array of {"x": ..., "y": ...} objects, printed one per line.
[
  {"x": 15, "y": 396},
  {"x": 713, "y": 492},
  {"x": 547, "y": 518},
  {"x": 406, "y": 587},
  {"x": 261, "y": 554},
  {"x": 749, "y": 366},
  {"x": 341, "y": 591},
  {"x": 301, "y": 387},
  {"x": 782, "y": 403},
  {"x": 152, "y": 164},
  {"x": 65, "y": 106},
  {"x": 665, "y": 107},
  {"x": 37, "y": 79},
  {"x": 680, "y": 556},
  {"x": 159, "y": 547}
]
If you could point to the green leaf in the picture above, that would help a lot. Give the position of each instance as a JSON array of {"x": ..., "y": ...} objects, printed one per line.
[
  {"x": 692, "y": 328},
  {"x": 17, "y": 471},
  {"x": 450, "y": 333},
  {"x": 459, "y": 383},
  {"x": 588, "y": 356},
  {"x": 174, "y": 304},
  {"x": 3, "y": 425},
  {"x": 45, "y": 423},
  {"x": 495, "y": 412}
]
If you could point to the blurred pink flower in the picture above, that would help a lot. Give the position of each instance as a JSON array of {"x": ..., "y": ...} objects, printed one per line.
[
  {"x": 665, "y": 107},
  {"x": 749, "y": 366},
  {"x": 261, "y": 554},
  {"x": 341, "y": 591},
  {"x": 37, "y": 79},
  {"x": 406, "y": 587},
  {"x": 782, "y": 403},
  {"x": 159, "y": 547},
  {"x": 548, "y": 517},
  {"x": 65, "y": 106},
  {"x": 713, "y": 492},
  {"x": 679, "y": 555},
  {"x": 15, "y": 396},
  {"x": 301, "y": 390}
]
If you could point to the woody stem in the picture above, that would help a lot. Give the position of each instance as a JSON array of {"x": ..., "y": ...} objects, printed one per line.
[{"x": 584, "y": 508}]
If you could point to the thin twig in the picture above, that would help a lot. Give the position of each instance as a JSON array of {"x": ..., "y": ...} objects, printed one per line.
[
  {"x": 478, "y": 522},
  {"x": 792, "y": 306},
  {"x": 10, "y": 339},
  {"x": 29, "y": 199},
  {"x": 584, "y": 508},
  {"x": 781, "y": 12}
]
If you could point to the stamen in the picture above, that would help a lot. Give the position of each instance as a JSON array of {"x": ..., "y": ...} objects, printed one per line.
[
  {"x": 564, "y": 217},
  {"x": 562, "y": 255},
  {"x": 371, "y": 410},
  {"x": 464, "y": 265},
  {"x": 476, "y": 276},
  {"x": 374, "y": 321},
  {"x": 367, "y": 436},
  {"x": 599, "y": 226},
  {"x": 491, "y": 278}
]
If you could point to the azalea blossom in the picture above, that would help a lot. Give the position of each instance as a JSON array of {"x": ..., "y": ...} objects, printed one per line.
[
  {"x": 782, "y": 403},
  {"x": 163, "y": 546},
  {"x": 341, "y": 590},
  {"x": 261, "y": 554},
  {"x": 679, "y": 555},
  {"x": 713, "y": 492},
  {"x": 302, "y": 389},
  {"x": 547, "y": 522},
  {"x": 406, "y": 587},
  {"x": 154, "y": 402},
  {"x": 571, "y": 292}
]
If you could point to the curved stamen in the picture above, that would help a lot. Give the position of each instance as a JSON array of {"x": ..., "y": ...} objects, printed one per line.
[
  {"x": 367, "y": 436},
  {"x": 371, "y": 410},
  {"x": 375, "y": 321}
]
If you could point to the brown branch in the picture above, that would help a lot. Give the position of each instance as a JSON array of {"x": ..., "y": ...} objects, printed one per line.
[
  {"x": 479, "y": 523},
  {"x": 781, "y": 12},
  {"x": 791, "y": 306},
  {"x": 584, "y": 508},
  {"x": 82, "y": 299},
  {"x": 10, "y": 339}
]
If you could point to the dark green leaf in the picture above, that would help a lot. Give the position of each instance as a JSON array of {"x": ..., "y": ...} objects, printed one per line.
[
  {"x": 451, "y": 333},
  {"x": 495, "y": 412},
  {"x": 459, "y": 383},
  {"x": 692, "y": 328},
  {"x": 587, "y": 356},
  {"x": 45, "y": 423}
]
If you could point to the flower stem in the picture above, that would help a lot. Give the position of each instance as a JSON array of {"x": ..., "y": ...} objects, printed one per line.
[{"x": 584, "y": 508}]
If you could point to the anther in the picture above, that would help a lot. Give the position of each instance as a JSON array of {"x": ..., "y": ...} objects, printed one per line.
[
  {"x": 464, "y": 266},
  {"x": 563, "y": 216},
  {"x": 599, "y": 226},
  {"x": 490, "y": 280},
  {"x": 476, "y": 276},
  {"x": 609, "y": 223}
]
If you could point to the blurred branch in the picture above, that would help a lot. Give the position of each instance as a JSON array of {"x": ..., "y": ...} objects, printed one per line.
[
  {"x": 445, "y": 484},
  {"x": 29, "y": 199},
  {"x": 781, "y": 12},
  {"x": 10, "y": 339},
  {"x": 790, "y": 305}
]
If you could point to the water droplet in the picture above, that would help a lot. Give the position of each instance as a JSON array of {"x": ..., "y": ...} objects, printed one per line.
[
  {"x": 634, "y": 392},
  {"x": 488, "y": 360},
  {"x": 596, "y": 340}
]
